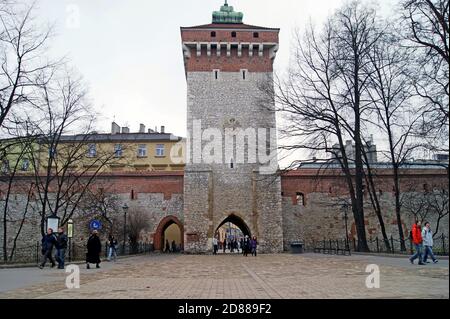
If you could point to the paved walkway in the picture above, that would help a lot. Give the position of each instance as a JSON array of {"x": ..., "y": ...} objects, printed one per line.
[{"x": 235, "y": 277}]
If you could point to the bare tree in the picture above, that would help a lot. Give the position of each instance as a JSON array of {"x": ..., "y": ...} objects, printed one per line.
[
  {"x": 136, "y": 223},
  {"x": 12, "y": 182},
  {"x": 391, "y": 89},
  {"x": 325, "y": 97},
  {"x": 428, "y": 36},
  {"x": 22, "y": 55},
  {"x": 64, "y": 165},
  {"x": 102, "y": 203},
  {"x": 428, "y": 205}
]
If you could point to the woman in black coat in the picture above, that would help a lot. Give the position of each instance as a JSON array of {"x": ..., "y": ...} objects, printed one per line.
[{"x": 94, "y": 248}]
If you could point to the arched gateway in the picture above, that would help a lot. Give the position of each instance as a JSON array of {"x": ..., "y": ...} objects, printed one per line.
[
  {"x": 165, "y": 223},
  {"x": 238, "y": 222}
]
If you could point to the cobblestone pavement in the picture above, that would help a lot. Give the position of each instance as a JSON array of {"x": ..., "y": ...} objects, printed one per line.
[{"x": 236, "y": 277}]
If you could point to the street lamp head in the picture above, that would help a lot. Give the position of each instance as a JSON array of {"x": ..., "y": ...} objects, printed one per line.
[{"x": 125, "y": 207}]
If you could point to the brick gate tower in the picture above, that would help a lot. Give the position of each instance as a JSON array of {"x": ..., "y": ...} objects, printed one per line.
[{"x": 230, "y": 174}]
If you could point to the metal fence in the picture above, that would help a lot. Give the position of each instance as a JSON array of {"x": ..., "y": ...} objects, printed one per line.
[
  {"x": 75, "y": 252},
  {"x": 377, "y": 245}
]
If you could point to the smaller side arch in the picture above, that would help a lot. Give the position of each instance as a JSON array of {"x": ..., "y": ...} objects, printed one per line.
[{"x": 158, "y": 241}]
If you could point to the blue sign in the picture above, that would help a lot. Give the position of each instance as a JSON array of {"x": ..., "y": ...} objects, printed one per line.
[{"x": 95, "y": 225}]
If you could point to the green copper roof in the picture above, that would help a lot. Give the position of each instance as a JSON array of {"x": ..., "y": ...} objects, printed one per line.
[{"x": 227, "y": 15}]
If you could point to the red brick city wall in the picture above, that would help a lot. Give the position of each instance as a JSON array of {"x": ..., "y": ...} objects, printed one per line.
[
  {"x": 332, "y": 182},
  {"x": 233, "y": 63}
]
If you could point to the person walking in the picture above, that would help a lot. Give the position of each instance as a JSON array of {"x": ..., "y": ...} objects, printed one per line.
[
  {"x": 416, "y": 234},
  {"x": 61, "y": 247},
  {"x": 427, "y": 236},
  {"x": 254, "y": 245},
  {"x": 112, "y": 248},
  {"x": 48, "y": 242},
  {"x": 224, "y": 245},
  {"x": 215, "y": 245},
  {"x": 241, "y": 243},
  {"x": 94, "y": 248},
  {"x": 167, "y": 250},
  {"x": 174, "y": 246},
  {"x": 246, "y": 245}
]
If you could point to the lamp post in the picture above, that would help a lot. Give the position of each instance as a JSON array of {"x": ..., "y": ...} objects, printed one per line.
[
  {"x": 125, "y": 209},
  {"x": 345, "y": 208},
  {"x": 69, "y": 236}
]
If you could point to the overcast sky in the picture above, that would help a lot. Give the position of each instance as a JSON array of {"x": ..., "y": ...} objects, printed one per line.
[{"x": 129, "y": 52}]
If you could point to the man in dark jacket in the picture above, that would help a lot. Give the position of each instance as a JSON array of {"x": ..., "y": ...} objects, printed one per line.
[
  {"x": 48, "y": 241},
  {"x": 94, "y": 248},
  {"x": 61, "y": 246}
]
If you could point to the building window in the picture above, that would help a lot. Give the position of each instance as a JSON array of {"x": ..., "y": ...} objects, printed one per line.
[
  {"x": 244, "y": 74},
  {"x": 25, "y": 164},
  {"x": 255, "y": 34},
  {"x": 133, "y": 195},
  {"x": 159, "y": 149},
  {"x": 213, "y": 34},
  {"x": 231, "y": 164},
  {"x": 118, "y": 150},
  {"x": 216, "y": 74},
  {"x": 233, "y": 34},
  {"x": 300, "y": 197},
  {"x": 142, "y": 150},
  {"x": 92, "y": 150},
  {"x": 52, "y": 152}
]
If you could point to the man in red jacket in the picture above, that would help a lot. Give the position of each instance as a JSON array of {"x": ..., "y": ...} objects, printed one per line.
[{"x": 416, "y": 233}]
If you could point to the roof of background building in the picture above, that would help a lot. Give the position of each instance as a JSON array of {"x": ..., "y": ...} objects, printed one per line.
[
  {"x": 122, "y": 137},
  {"x": 410, "y": 165},
  {"x": 230, "y": 26}
]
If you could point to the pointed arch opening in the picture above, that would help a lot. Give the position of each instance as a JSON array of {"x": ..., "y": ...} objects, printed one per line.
[
  {"x": 170, "y": 229},
  {"x": 230, "y": 232}
]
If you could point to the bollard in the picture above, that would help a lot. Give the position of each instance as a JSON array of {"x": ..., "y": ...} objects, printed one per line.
[{"x": 378, "y": 247}]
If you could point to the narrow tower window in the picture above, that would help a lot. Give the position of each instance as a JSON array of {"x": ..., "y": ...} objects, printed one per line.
[
  {"x": 243, "y": 74},
  {"x": 231, "y": 164},
  {"x": 300, "y": 197}
]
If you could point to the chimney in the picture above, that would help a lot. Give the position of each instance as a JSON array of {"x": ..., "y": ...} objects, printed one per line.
[
  {"x": 141, "y": 128},
  {"x": 163, "y": 128},
  {"x": 115, "y": 128},
  {"x": 150, "y": 131},
  {"x": 125, "y": 130}
]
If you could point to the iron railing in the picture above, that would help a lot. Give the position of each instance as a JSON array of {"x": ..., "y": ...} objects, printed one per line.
[
  {"x": 377, "y": 245},
  {"x": 75, "y": 252}
]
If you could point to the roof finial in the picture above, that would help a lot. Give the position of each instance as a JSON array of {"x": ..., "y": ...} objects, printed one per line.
[{"x": 227, "y": 15}]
